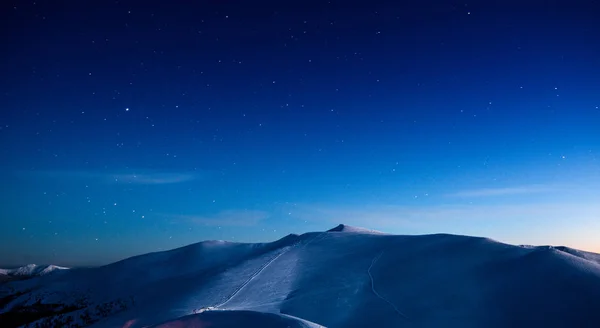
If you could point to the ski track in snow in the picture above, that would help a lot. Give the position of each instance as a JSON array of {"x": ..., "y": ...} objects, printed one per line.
[
  {"x": 376, "y": 293},
  {"x": 254, "y": 275},
  {"x": 262, "y": 268},
  {"x": 322, "y": 236}
]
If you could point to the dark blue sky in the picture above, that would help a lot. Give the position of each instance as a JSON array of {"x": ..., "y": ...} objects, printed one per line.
[{"x": 130, "y": 126}]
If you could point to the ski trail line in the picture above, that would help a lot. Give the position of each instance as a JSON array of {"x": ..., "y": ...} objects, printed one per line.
[
  {"x": 322, "y": 236},
  {"x": 263, "y": 267},
  {"x": 254, "y": 275},
  {"x": 373, "y": 286}
]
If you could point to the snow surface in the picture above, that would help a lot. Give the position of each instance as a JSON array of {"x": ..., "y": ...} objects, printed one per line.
[
  {"x": 345, "y": 277},
  {"x": 232, "y": 319}
]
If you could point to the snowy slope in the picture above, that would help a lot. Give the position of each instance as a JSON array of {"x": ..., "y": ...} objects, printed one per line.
[
  {"x": 27, "y": 270},
  {"x": 51, "y": 268},
  {"x": 232, "y": 319},
  {"x": 345, "y": 277}
]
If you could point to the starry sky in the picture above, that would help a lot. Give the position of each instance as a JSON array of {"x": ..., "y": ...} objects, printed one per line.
[{"x": 136, "y": 126}]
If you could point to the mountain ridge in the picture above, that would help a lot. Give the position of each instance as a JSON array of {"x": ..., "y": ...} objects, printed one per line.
[
  {"x": 344, "y": 277},
  {"x": 31, "y": 270}
]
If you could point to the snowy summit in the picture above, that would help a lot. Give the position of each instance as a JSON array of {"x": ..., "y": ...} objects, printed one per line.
[
  {"x": 347, "y": 228},
  {"x": 343, "y": 277}
]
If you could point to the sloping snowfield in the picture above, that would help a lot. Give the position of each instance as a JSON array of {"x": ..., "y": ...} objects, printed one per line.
[
  {"x": 234, "y": 319},
  {"x": 345, "y": 277}
]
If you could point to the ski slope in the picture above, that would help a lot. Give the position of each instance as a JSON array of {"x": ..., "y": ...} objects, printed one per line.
[
  {"x": 254, "y": 275},
  {"x": 344, "y": 277},
  {"x": 375, "y": 291}
]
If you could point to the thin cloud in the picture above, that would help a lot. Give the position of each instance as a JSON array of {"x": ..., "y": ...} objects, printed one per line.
[
  {"x": 142, "y": 177},
  {"x": 154, "y": 178},
  {"x": 492, "y": 192},
  {"x": 229, "y": 218}
]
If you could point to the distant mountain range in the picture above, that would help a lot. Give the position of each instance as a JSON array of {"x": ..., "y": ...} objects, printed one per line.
[
  {"x": 343, "y": 277},
  {"x": 31, "y": 270}
]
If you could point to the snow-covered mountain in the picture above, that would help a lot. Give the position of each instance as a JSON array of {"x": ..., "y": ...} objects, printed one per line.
[
  {"x": 347, "y": 228},
  {"x": 31, "y": 270},
  {"x": 344, "y": 277}
]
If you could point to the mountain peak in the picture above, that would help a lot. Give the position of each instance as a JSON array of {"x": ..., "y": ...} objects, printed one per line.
[
  {"x": 31, "y": 270},
  {"x": 347, "y": 228}
]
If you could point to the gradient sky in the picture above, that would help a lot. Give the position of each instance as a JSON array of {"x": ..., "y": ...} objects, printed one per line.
[{"x": 129, "y": 126}]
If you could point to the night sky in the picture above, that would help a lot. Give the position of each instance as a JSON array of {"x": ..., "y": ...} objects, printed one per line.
[{"x": 129, "y": 127}]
